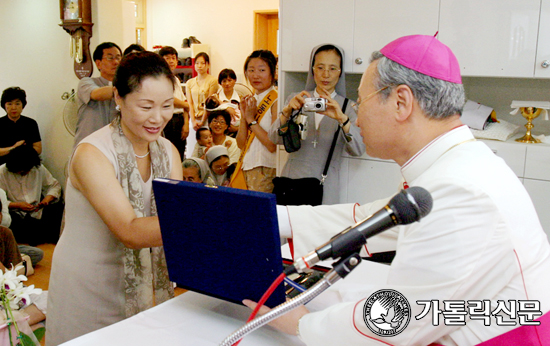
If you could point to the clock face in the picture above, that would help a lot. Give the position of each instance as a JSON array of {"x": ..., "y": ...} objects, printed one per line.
[{"x": 71, "y": 10}]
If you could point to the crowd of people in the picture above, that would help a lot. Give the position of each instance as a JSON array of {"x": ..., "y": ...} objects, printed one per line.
[{"x": 136, "y": 124}]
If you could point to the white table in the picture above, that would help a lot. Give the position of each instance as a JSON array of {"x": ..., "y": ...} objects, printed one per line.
[{"x": 190, "y": 319}]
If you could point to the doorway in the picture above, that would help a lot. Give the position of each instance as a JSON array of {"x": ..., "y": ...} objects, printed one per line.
[{"x": 266, "y": 29}]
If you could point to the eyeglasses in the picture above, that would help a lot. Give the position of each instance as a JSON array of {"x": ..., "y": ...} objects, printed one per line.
[
  {"x": 220, "y": 122},
  {"x": 221, "y": 167},
  {"x": 111, "y": 58},
  {"x": 368, "y": 97},
  {"x": 331, "y": 70}
]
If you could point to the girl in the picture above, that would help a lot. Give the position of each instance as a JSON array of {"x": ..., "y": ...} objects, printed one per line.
[{"x": 258, "y": 113}]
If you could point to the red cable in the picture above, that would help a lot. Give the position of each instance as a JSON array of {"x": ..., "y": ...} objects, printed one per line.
[{"x": 264, "y": 298}]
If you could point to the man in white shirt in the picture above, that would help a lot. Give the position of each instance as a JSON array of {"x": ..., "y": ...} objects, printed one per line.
[
  {"x": 33, "y": 197},
  {"x": 480, "y": 252}
]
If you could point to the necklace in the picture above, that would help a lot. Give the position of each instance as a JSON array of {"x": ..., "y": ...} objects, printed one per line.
[{"x": 142, "y": 156}]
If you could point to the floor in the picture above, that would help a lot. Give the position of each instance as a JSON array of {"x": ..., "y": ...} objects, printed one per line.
[{"x": 41, "y": 276}]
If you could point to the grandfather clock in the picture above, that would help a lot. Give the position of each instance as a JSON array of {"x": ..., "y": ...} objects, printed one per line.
[{"x": 76, "y": 19}]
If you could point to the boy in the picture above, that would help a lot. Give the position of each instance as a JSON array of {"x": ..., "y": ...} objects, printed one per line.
[{"x": 204, "y": 142}]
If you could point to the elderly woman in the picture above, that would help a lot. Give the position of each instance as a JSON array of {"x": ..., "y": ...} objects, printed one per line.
[
  {"x": 17, "y": 129},
  {"x": 195, "y": 170},
  {"x": 326, "y": 80},
  {"x": 111, "y": 209}
]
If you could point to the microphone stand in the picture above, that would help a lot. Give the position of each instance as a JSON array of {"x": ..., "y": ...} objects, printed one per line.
[{"x": 340, "y": 270}]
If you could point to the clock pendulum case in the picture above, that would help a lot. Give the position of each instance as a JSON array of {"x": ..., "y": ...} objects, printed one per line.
[{"x": 76, "y": 20}]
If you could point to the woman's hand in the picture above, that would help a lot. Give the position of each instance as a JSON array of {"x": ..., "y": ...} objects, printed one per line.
[
  {"x": 334, "y": 111},
  {"x": 197, "y": 125},
  {"x": 333, "y": 108},
  {"x": 233, "y": 113},
  {"x": 295, "y": 103},
  {"x": 287, "y": 323},
  {"x": 249, "y": 108}
]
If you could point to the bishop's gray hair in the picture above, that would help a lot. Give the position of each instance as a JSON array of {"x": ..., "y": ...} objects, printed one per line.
[{"x": 438, "y": 99}]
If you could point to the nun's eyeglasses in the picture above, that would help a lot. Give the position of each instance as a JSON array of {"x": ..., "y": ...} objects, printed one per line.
[{"x": 331, "y": 69}]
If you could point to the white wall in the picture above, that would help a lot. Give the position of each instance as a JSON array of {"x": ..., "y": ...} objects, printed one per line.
[
  {"x": 227, "y": 26},
  {"x": 35, "y": 56}
]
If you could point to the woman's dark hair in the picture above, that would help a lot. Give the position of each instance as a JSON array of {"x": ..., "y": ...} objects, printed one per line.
[
  {"x": 204, "y": 56},
  {"x": 133, "y": 48},
  {"x": 267, "y": 57},
  {"x": 98, "y": 52},
  {"x": 199, "y": 131},
  {"x": 224, "y": 113},
  {"x": 13, "y": 93},
  {"x": 226, "y": 73},
  {"x": 328, "y": 48},
  {"x": 134, "y": 68},
  {"x": 168, "y": 50},
  {"x": 22, "y": 159}
]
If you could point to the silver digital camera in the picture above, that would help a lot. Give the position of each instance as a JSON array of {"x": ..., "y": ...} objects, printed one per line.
[{"x": 315, "y": 104}]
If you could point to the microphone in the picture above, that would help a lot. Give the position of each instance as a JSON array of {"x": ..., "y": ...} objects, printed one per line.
[{"x": 404, "y": 208}]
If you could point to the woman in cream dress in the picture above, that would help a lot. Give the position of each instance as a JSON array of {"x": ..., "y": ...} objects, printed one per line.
[{"x": 109, "y": 262}]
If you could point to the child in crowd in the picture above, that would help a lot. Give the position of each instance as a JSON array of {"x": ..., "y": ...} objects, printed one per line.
[
  {"x": 204, "y": 142},
  {"x": 196, "y": 170},
  {"x": 227, "y": 95},
  {"x": 218, "y": 161}
]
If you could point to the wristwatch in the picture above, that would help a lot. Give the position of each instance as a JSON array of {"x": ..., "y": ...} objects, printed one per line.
[
  {"x": 253, "y": 122},
  {"x": 345, "y": 123}
]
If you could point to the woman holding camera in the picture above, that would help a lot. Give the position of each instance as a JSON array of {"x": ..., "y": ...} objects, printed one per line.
[{"x": 325, "y": 80}]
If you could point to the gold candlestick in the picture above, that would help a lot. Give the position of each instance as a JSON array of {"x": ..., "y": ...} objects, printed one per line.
[{"x": 529, "y": 113}]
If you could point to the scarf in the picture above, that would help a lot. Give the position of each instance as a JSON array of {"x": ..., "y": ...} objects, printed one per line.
[{"x": 145, "y": 272}]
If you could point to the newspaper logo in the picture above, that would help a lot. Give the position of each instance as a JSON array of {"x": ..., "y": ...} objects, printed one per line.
[{"x": 387, "y": 312}]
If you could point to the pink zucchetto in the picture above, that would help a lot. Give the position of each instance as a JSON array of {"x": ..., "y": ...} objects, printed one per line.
[{"x": 424, "y": 54}]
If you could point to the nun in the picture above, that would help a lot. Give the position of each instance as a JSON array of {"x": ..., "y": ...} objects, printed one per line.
[
  {"x": 217, "y": 158},
  {"x": 325, "y": 80},
  {"x": 196, "y": 170}
]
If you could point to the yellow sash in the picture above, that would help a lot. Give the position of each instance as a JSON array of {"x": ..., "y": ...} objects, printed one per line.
[{"x": 237, "y": 179}]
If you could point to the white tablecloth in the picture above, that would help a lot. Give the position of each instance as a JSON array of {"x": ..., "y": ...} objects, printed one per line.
[{"x": 190, "y": 319}]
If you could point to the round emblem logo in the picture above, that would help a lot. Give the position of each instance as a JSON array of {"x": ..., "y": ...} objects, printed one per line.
[{"x": 387, "y": 312}]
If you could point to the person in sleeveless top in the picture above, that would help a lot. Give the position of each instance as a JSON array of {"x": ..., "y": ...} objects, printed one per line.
[{"x": 109, "y": 263}]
